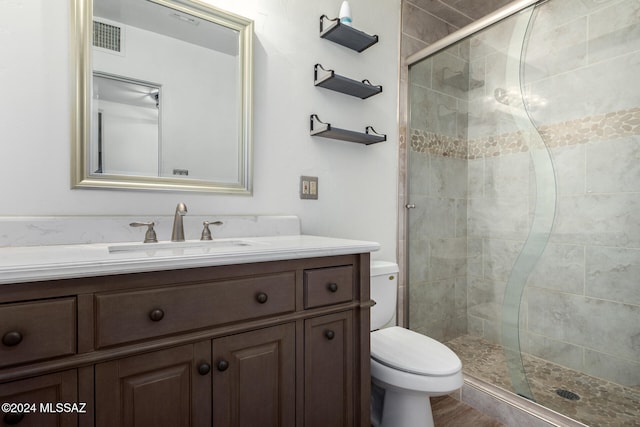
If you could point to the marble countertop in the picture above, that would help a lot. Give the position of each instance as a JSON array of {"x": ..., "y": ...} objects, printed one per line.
[{"x": 36, "y": 263}]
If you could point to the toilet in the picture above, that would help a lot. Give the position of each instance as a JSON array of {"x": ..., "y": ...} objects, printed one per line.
[{"x": 406, "y": 367}]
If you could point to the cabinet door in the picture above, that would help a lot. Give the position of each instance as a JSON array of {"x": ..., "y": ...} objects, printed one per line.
[
  {"x": 254, "y": 378},
  {"x": 328, "y": 364},
  {"x": 170, "y": 388},
  {"x": 44, "y": 390}
]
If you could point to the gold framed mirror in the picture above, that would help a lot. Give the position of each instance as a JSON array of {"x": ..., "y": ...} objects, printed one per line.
[{"x": 162, "y": 96}]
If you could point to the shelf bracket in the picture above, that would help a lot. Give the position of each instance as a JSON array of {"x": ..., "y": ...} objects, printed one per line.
[
  {"x": 317, "y": 78},
  {"x": 315, "y": 129},
  {"x": 323, "y": 17},
  {"x": 369, "y": 130}
]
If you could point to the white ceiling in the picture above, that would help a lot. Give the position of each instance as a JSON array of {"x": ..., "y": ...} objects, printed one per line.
[{"x": 170, "y": 22}]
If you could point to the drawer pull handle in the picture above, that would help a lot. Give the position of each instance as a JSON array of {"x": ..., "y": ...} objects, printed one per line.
[
  {"x": 204, "y": 369},
  {"x": 333, "y": 287},
  {"x": 262, "y": 297},
  {"x": 12, "y": 338},
  {"x": 329, "y": 334},
  {"x": 223, "y": 365},
  {"x": 156, "y": 315},
  {"x": 12, "y": 418}
]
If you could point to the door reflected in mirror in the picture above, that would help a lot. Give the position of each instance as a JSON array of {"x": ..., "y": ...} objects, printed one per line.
[
  {"x": 164, "y": 96},
  {"x": 126, "y": 132}
]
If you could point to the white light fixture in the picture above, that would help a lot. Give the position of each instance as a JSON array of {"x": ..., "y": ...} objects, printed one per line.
[{"x": 185, "y": 18}]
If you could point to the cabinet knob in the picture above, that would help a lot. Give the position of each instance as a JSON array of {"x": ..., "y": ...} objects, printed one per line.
[
  {"x": 204, "y": 369},
  {"x": 329, "y": 334},
  {"x": 156, "y": 315},
  {"x": 12, "y": 418},
  {"x": 223, "y": 365},
  {"x": 262, "y": 297},
  {"x": 12, "y": 338},
  {"x": 333, "y": 287}
]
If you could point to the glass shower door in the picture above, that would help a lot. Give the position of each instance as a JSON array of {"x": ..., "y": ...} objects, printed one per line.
[
  {"x": 482, "y": 182},
  {"x": 524, "y": 169},
  {"x": 582, "y": 301}
]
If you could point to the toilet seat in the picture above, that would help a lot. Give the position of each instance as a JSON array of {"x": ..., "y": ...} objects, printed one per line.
[{"x": 408, "y": 351}]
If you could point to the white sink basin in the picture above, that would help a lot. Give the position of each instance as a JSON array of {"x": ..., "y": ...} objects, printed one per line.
[{"x": 189, "y": 244}]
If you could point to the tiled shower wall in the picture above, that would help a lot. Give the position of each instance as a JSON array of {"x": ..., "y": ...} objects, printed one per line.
[
  {"x": 439, "y": 189},
  {"x": 472, "y": 181},
  {"x": 423, "y": 23}
]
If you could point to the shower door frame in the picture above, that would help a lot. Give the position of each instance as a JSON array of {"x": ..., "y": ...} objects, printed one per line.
[{"x": 469, "y": 30}]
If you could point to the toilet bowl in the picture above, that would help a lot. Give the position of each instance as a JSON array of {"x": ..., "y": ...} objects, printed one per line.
[{"x": 406, "y": 367}]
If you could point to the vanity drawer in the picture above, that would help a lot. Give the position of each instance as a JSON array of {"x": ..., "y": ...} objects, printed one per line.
[
  {"x": 326, "y": 286},
  {"x": 37, "y": 330},
  {"x": 130, "y": 316}
]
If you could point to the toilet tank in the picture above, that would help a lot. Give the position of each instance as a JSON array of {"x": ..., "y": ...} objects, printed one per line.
[{"x": 384, "y": 291}]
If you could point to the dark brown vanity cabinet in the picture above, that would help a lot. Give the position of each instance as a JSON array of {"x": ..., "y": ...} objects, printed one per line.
[
  {"x": 254, "y": 378},
  {"x": 329, "y": 370},
  {"x": 162, "y": 388},
  {"x": 267, "y": 344},
  {"x": 249, "y": 381}
]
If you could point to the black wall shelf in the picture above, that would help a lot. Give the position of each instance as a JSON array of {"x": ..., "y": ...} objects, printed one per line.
[
  {"x": 345, "y": 35},
  {"x": 325, "y": 130},
  {"x": 328, "y": 79}
]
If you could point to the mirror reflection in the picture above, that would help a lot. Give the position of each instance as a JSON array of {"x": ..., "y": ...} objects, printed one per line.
[
  {"x": 169, "y": 89},
  {"x": 126, "y": 126}
]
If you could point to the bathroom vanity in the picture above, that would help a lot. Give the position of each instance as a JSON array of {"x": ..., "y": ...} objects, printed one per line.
[{"x": 270, "y": 334}]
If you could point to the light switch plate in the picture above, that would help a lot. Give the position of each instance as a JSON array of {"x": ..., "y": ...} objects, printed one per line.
[{"x": 309, "y": 187}]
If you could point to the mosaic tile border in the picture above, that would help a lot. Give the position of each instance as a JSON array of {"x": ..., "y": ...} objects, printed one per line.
[
  {"x": 614, "y": 125},
  {"x": 499, "y": 145},
  {"x": 618, "y": 124},
  {"x": 438, "y": 145}
]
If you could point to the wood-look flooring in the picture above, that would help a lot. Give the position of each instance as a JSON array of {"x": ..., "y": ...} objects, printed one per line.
[{"x": 449, "y": 412}]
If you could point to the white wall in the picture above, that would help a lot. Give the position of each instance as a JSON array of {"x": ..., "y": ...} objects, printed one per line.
[{"x": 357, "y": 184}]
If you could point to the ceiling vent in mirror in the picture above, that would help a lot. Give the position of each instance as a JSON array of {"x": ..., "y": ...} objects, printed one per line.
[{"x": 107, "y": 36}]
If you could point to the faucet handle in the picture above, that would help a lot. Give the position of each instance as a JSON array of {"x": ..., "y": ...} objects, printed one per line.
[
  {"x": 206, "y": 233},
  {"x": 150, "y": 235}
]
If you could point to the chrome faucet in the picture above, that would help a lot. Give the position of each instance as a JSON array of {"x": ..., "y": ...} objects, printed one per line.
[{"x": 178, "y": 229}]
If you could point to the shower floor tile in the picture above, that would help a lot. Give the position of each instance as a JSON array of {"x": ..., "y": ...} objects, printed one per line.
[{"x": 602, "y": 403}]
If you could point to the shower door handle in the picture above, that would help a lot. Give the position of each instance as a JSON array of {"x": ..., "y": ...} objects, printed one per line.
[{"x": 410, "y": 206}]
